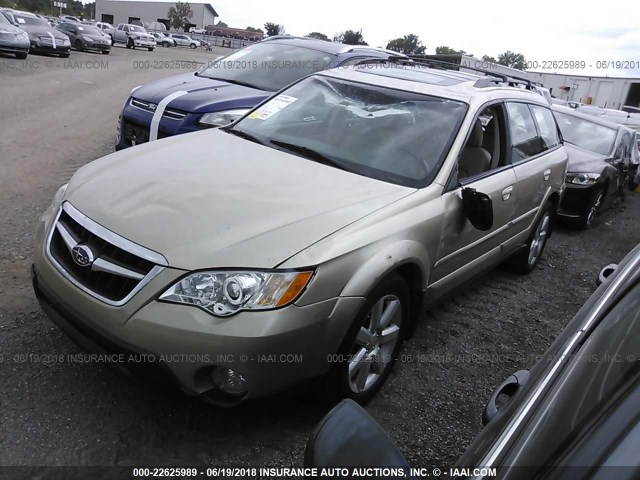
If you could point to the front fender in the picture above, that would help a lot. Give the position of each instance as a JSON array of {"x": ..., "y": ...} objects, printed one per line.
[{"x": 404, "y": 253}]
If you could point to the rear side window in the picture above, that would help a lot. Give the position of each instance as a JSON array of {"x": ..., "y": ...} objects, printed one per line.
[
  {"x": 547, "y": 126},
  {"x": 525, "y": 141}
]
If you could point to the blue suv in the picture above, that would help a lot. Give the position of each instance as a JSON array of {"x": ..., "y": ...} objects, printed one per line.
[{"x": 226, "y": 89}]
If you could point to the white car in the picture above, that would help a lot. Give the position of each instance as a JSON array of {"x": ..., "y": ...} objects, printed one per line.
[
  {"x": 201, "y": 31},
  {"x": 164, "y": 40},
  {"x": 185, "y": 40}
]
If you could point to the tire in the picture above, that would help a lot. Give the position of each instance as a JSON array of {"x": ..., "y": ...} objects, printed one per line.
[
  {"x": 150, "y": 49},
  {"x": 21, "y": 56},
  {"x": 130, "y": 44},
  {"x": 525, "y": 260},
  {"x": 78, "y": 46},
  {"x": 112, "y": 41},
  {"x": 106, "y": 52},
  {"x": 349, "y": 376},
  {"x": 193, "y": 45},
  {"x": 65, "y": 55},
  {"x": 588, "y": 217}
]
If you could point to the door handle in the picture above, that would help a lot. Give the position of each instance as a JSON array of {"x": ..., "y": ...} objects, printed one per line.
[
  {"x": 506, "y": 193},
  {"x": 547, "y": 174}
]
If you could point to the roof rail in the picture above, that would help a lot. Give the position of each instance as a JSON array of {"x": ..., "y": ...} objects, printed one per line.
[{"x": 390, "y": 59}]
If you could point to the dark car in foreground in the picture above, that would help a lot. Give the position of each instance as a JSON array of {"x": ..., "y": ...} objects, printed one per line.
[
  {"x": 43, "y": 38},
  {"x": 226, "y": 89},
  {"x": 575, "y": 415},
  {"x": 602, "y": 161},
  {"x": 13, "y": 39},
  {"x": 86, "y": 37}
]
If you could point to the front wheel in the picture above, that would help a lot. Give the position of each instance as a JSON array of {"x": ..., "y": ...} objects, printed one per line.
[
  {"x": 21, "y": 55},
  {"x": 588, "y": 217},
  {"x": 525, "y": 260},
  {"x": 78, "y": 46},
  {"x": 112, "y": 41},
  {"x": 371, "y": 345},
  {"x": 106, "y": 52},
  {"x": 193, "y": 45},
  {"x": 130, "y": 44},
  {"x": 151, "y": 49}
]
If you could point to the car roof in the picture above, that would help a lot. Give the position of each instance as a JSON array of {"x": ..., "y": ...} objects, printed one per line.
[
  {"x": 335, "y": 48},
  {"x": 440, "y": 82}
]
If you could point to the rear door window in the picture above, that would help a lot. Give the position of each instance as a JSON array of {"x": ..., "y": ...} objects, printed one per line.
[
  {"x": 547, "y": 126},
  {"x": 525, "y": 141}
]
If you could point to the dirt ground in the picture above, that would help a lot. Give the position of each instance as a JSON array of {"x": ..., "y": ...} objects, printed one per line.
[{"x": 54, "y": 119}]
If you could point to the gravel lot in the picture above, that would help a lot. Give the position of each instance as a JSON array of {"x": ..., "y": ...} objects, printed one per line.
[{"x": 61, "y": 115}]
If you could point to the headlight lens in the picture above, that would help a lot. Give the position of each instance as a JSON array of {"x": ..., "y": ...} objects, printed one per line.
[
  {"x": 219, "y": 119},
  {"x": 88, "y": 39},
  {"x": 225, "y": 293},
  {"x": 582, "y": 178},
  {"x": 23, "y": 36}
]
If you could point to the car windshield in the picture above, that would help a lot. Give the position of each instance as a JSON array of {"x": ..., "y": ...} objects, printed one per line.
[
  {"x": 31, "y": 21},
  {"x": 391, "y": 135},
  {"x": 3, "y": 20},
  {"x": 268, "y": 66},
  {"x": 585, "y": 134},
  {"x": 88, "y": 30}
]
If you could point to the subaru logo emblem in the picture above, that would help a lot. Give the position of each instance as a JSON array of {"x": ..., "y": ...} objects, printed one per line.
[
  {"x": 152, "y": 106},
  {"x": 82, "y": 255}
]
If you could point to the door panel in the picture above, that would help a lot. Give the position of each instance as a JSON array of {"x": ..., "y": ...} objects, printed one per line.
[{"x": 461, "y": 243}]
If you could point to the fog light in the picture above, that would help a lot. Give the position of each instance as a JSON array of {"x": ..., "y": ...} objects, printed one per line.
[{"x": 229, "y": 381}]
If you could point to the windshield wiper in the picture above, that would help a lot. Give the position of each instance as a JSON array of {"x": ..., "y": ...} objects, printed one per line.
[
  {"x": 310, "y": 154},
  {"x": 235, "y": 82},
  {"x": 243, "y": 134}
]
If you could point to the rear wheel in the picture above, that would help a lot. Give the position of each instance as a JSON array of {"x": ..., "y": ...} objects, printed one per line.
[
  {"x": 525, "y": 260},
  {"x": 106, "y": 52},
  {"x": 371, "y": 345},
  {"x": 21, "y": 55},
  {"x": 65, "y": 55},
  {"x": 112, "y": 41},
  {"x": 130, "y": 44},
  {"x": 151, "y": 49}
]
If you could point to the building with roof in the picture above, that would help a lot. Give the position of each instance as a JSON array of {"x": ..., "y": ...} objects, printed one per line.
[
  {"x": 145, "y": 12},
  {"x": 603, "y": 91}
]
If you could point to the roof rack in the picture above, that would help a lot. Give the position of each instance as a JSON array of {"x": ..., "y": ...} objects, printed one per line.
[{"x": 492, "y": 77}]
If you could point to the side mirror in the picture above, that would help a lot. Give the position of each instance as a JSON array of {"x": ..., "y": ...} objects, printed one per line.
[
  {"x": 478, "y": 208},
  {"x": 606, "y": 273},
  {"x": 348, "y": 437}
]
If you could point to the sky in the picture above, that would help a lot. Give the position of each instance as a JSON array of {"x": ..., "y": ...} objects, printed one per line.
[{"x": 542, "y": 30}]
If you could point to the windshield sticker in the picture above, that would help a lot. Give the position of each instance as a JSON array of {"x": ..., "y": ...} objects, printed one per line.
[
  {"x": 20, "y": 20},
  {"x": 80, "y": 28},
  {"x": 272, "y": 107}
]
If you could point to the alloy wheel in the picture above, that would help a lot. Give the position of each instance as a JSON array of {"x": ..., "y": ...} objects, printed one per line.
[
  {"x": 375, "y": 343},
  {"x": 539, "y": 238}
]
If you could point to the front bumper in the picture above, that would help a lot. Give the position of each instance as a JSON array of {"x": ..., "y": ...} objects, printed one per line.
[
  {"x": 141, "y": 42},
  {"x": 14, "y": 46},
  {"x": 272, "y": 350},
  {"x": 48, "y": 48},
  {"x": 577, "y": 199}
]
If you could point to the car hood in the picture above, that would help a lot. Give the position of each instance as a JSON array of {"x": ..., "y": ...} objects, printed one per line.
[
  {"x": 204, "y": 94},
  {"x": 44, "y": 31},
  {"x": 210, "y": 199},
  {"x": 96, "y": 37},
  {"x": 10, "y": 29},
  {"x": 584, "y": 161}
]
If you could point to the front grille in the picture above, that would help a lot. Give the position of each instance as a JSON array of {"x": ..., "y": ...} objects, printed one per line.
[
  {"x": 151, "y": 107},
  {"x": 114, "y": 272}
]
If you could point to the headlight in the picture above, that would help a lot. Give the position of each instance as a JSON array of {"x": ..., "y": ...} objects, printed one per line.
[
  {"x": 23, "y": 36},
  {"x": 88, "y": 39},
  {"x": 582, "y": 178},
  {"x": 225, "y": 293},
  {"x": 219, "y": 119}
]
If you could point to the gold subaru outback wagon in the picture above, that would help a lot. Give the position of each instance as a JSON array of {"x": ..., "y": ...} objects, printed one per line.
[{"x": 301, "y": 241}]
